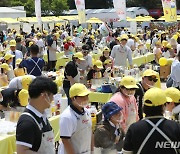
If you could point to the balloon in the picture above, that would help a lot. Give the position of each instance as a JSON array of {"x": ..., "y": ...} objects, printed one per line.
[{"x": 163, "y": 61}]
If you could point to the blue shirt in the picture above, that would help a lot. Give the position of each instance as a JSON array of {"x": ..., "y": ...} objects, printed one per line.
[{"x": 32, "y": 68}]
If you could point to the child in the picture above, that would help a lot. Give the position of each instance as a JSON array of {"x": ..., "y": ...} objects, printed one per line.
[{"x": 19, "y": 70}]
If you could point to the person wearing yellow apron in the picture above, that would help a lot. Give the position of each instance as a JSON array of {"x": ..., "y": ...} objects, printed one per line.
[
  {"x": 154, "y": 134},
  {"x": 34, "y": 133},
  {"x": 75, "y": 123}
]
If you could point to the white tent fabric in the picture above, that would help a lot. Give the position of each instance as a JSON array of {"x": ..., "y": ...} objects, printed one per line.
[{"x": 6, "y": 12}]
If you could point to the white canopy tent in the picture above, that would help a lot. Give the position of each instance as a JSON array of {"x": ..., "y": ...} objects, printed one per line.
[{"x": 6, "y": 12}]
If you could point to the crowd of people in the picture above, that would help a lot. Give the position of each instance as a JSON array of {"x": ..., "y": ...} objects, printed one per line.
[{"x": 134, "y": 117}]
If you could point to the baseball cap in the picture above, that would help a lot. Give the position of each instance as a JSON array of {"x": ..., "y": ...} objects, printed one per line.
[
  {"x": 106, "y": 49},
  {"x": 107, "y": 61},
  {"x": 30, "y": 44},
  {"x": 56, "y": 34},
  {"x": 12, "y": 43},
  {"x": 124, "y": 37},
  {"x": 23, "y": 97},
  {"x": 99, "y": 64},
  {"x": 128, "y": 82},
  {"x": 110, "y": 109},
  {"x": 150, "y": 72},
  {"x": 18, "y": 61},
  {"x": 155, "y": 97},
  {"x": 8, "y": 56},
  {"x": 26, "y": 80},
  {"x": 69, "y": 38},
  {"x": 173, "y": 93},
  {"x": 5, "y": 66},
  {"x": 78, "y": 89},
  {"x": 79, "y": 55},
  {"x": 169, "y": 46},
  {"x": 39, "y": 34}
]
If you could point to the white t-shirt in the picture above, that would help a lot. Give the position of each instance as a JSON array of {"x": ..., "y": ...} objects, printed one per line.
[
  {"x": 77, "y": 41},
  {"x": 16, "y": 82},
  {"x": 178, "y": 48},
  {"x": 68, "y": 125}
]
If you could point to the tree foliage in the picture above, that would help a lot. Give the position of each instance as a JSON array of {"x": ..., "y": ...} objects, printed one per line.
[{"x": 55, "y": 7}]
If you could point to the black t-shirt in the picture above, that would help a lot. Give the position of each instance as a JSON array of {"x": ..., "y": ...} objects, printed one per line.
[
  {"x": 139, "y": 94},
  {"x": 138, "y": 131},
  {"x": 70, "y": 70},
  {"x": 28, "y": 132},
  {"x": 9, "y": 97},
  {"x": 91, "y": 73}
]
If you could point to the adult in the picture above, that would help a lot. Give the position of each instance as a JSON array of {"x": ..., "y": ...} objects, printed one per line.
[
  {"x": 174, "y": 79},
  {"x": 124, "y": 97},
  {"x": 34, "y": 64},
  {"x": 40, "y": 44},
  {"x": 108, "y": 134},
  {"x": 149, "y": 78},
  {"x": 173, "y": 107},
  {"x": 8, "y": 58},
  {"x": 3, "y": 74},
  {"x": 75, "y": 123},
  {"x": 52, "y": 49},
  {"x": 120, "y": 53},
  {"x": 71, "y": 73},
  {"x": 19, "y": 45},
  {"x": 34, "y": 133},
  {"x": 69, "y": 46},
  {"x": 12, "y": 97},
  {"x": 145, "y": 136},
  {"x": 17, "y": 54},
  {"x": 86, "y": 65}
]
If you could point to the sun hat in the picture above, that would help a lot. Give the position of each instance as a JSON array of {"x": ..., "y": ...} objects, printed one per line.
[{"x": 110, "y": 109}]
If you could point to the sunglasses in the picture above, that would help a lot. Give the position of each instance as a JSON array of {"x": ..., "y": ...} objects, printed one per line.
[{"x": 150, "y": 78}]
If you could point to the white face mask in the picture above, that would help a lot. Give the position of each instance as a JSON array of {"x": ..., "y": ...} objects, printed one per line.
[
  {"x": 129, "y": 95},
  {"x": 1, "y": 99},
  {"x": 82, "y": 104},
  {"x": 150, "y": 86}
]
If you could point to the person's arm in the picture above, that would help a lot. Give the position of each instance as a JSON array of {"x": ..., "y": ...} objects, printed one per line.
[
  {"x": 92, "y": 143},
  {"x": 128, "y": 143},
  {"x": 21, "y": 149},
  {"x": 113, "y": 52},
  {"x": 68, "y": 146},
  {"x": 129, "y": 56},
  {"x": 71, "y": 79}
]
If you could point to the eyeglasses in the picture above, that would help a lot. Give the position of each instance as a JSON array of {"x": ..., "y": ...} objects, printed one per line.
[{"x": 150, "y": 78}]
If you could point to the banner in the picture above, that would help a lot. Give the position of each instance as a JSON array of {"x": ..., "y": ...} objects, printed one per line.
[
  {"x": 120, "y": 7},
  {"x": 170, "y": 10},
  {"x": 38, "y": 12},
  {"x": 80, "y": 5}
]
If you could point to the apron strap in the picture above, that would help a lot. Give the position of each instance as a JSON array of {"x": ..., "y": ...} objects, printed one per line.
[
  {"x": 162, "y": 133},
  {"x": 141, "y": 88},
  {"x": 36, "y": 65},
  {"x": 149, "y": 135},
  {"x": 30, "y": 115}
]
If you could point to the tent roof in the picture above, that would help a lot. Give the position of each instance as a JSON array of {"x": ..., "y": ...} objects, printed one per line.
[
  {"x": 138, "y": 10},
  {"x": 10, "y": 10},
  {"x": 9, "y": 21}
]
